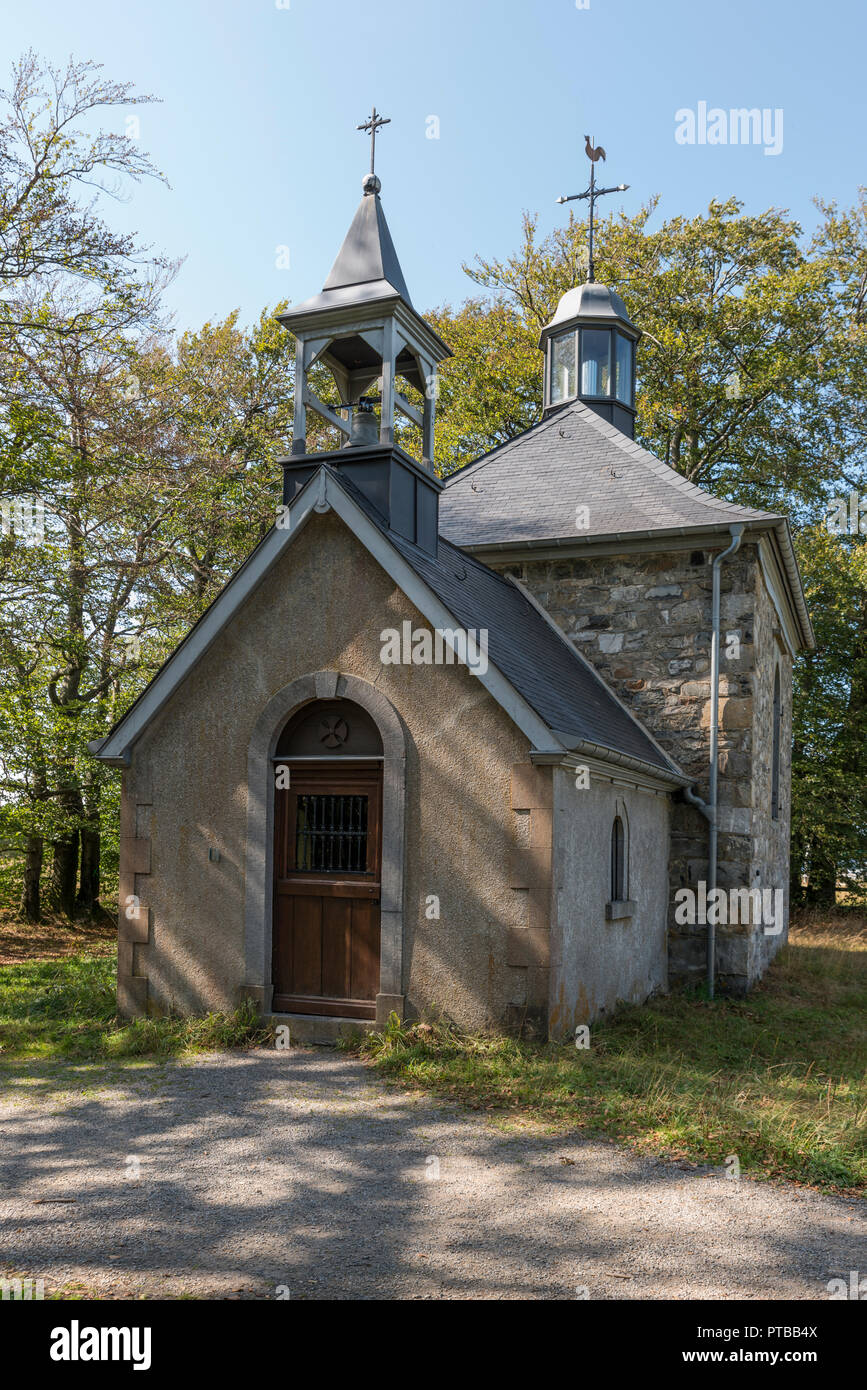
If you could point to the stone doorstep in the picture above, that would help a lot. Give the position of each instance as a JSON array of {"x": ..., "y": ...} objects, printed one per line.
[{"x": 316, "y": 1028}]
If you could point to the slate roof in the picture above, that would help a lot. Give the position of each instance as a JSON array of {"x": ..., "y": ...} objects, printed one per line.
[
  {"x": 543, "y": 666},
  {"x": 526, "y": 492},
  {"x": 529, "y": 488}
]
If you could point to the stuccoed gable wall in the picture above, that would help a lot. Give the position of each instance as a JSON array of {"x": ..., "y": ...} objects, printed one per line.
[
  {"x": 644, "y": 620},
  {"x": 597, "y": 964},
  {"x": 323, "y": 607}
]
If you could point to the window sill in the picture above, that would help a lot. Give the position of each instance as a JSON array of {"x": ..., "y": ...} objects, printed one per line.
[{"x": 619, "y": 911}]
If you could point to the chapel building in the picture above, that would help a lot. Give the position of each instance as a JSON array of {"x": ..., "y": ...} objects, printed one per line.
[{"x": 445, "y": 747}]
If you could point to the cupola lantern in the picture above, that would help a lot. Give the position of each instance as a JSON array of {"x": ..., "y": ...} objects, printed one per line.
[
  {"x": 589, "y": 344},
  {"x": 589, "y": 348}
]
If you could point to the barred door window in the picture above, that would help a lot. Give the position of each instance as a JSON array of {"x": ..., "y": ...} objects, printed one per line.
[{"x": 331, "y": 834}]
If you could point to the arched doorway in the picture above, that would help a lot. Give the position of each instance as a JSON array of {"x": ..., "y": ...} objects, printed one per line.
[{"x": 327, "y": 771}]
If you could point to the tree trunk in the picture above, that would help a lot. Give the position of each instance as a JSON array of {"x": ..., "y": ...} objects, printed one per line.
[
  {"x": 88, "y": 889},
  {"x": 31, "y": 906},
  {"x": 64, "y": 874},
  {"x": 822, "y": 883},
  {"x": 796, "y": 870}
]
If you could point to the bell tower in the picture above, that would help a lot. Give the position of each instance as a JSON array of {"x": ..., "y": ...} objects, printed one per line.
[{"x": 364, "y": 329}]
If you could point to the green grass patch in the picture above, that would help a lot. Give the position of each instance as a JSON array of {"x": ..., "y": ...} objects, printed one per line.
[
  {"x": 777, "y": 1079},
  {"x": 67, "y": 1009}
]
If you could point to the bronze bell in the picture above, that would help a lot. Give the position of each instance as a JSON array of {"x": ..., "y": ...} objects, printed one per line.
[{"x": 364, "y": 429}]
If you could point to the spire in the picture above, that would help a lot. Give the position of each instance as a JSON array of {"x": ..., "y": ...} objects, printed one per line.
[{"x": 367, "y": 256}]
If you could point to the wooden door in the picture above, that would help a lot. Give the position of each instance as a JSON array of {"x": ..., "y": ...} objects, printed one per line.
[{"x": 327, "y": 863}]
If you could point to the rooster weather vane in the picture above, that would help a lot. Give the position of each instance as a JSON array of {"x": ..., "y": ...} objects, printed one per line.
[{"x": 594, "y": 153}]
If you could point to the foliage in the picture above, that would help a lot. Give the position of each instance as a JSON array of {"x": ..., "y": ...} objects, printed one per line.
[
  {"x": 49, "y": 157},
  {"x": 829, "y": 743}
]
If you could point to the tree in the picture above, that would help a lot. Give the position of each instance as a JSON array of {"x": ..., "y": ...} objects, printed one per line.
[
  {"x": 829, "y": 789},
  {"x": 156, "y": 472},
  {"x": 490, "y": 391},
  {"x": 48, "y": 160},
  {"x": 68, "y": 445},
  {"x": 733, "y": 312},
  {"x": 829, "y": 738}
]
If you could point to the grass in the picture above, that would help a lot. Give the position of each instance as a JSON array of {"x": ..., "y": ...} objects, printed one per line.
[
  {"x": 777, "y": 1079},
  {"x": 65, "y": 1009}
]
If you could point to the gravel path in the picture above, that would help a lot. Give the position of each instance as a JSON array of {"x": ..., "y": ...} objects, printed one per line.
[{"x": 299, "y": 1170}]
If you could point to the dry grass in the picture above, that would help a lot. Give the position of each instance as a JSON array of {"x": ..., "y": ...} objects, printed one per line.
[{"x": 53, "y": 939}]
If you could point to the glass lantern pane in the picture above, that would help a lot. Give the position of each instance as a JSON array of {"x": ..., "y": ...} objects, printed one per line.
[
  {"x": 595, "y": 362},
  {"x": 563, "y": 377},
  {"x": 623, "y": 386}
]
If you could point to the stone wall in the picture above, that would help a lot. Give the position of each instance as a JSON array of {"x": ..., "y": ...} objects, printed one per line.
[
  {"x": 770, "y": 836},
  {"x": 644, "y": 620}
]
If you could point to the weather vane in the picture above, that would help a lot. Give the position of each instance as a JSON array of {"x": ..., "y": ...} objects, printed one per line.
[
  {"x": 373, "y": 124},
  {"x": 594, "y": 154}
]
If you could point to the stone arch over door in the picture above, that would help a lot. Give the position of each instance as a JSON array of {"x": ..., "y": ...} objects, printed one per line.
[{"x": 259, "y": 854}]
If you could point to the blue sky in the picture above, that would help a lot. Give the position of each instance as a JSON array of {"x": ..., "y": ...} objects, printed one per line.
[{"x": 260, "y": 100}]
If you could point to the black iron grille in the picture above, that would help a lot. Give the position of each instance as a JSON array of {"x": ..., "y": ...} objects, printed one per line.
[{"x": 331, "y": 834}]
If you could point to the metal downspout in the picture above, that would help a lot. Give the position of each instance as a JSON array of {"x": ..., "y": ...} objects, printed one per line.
[{"x": 736, "y": 531}]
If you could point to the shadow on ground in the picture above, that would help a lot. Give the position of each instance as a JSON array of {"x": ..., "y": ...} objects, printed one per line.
[{"x": 242, "y": 1174}]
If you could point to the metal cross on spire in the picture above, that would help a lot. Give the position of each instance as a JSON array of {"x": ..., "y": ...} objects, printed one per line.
[
  {"x": 373, "y": 124},
  {"x": 591, "y": 192}
]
